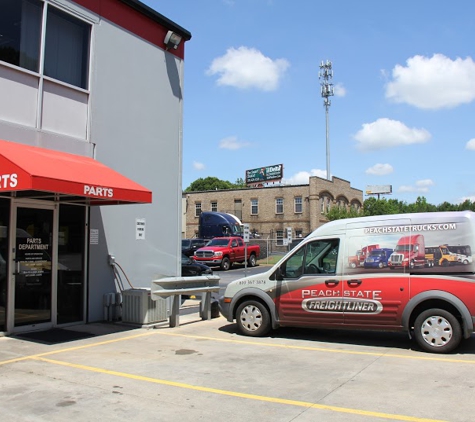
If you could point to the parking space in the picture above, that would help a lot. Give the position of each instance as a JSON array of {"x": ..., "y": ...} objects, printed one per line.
[{"x": 203, "y": 370}]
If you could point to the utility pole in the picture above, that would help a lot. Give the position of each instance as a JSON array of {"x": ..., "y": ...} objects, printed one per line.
[{"x": 326, "y": 75}]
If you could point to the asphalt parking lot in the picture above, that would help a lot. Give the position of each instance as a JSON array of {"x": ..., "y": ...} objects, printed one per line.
[{"x": 204, "y": 370}]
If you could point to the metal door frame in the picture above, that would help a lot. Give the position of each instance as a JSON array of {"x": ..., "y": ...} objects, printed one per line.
[{"x": 30, "y": 203}]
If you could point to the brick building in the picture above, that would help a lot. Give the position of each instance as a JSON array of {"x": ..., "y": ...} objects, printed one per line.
[{"x": 270, "y": 210}]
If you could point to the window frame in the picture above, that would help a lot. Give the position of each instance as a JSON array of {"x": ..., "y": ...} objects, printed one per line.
[
  {"x": 198, "y": 209},
  {"x": 279, "y": 205},
  {"x": 298, "y": 203},
  {"x": 254, "y": 206}
]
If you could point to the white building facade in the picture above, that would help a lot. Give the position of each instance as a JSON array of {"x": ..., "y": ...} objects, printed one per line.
[{"x": 90, "y": 156}]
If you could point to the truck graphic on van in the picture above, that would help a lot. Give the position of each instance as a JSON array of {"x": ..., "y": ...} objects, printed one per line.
[
  {"x": 442, "y": 255},
  {"x": 409, "y": 253},
  {"x": 378, "y": 258},
  {"x": 358, "y": 260}
]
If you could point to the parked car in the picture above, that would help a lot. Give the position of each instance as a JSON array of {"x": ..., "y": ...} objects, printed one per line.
[
  {"x": 189, "y": 246},
  {"x": 189, "y": 267},
  {"x": 224, "y": 251}
]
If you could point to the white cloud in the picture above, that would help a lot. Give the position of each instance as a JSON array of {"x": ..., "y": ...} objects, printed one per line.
[
  {"x": 245, "y": 68},
  {"x": 302, "y": 177},
  {"x": 380, "y": 169},
  {"x": 339, "y": 90},
  {"x": 433, "y": 83},
  {"x": 198, "y": 166},
  {"x": 470, "y": 144},
  {"x": 421, "y": 186},
  {"x": 232, "y": 143},
  {"x": 387, "y": 133}
]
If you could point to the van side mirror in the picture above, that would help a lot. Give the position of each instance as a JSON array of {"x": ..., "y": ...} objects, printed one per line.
[{"x": 279, "y": 274}]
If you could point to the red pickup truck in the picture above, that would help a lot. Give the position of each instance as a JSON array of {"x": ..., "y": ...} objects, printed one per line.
[{"x": 224, "y": 251}]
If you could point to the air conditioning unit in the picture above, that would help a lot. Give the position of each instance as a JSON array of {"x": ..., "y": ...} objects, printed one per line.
[{"x": 139, "y": 308}]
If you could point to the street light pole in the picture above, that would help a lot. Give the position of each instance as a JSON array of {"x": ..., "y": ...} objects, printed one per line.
[{"x": 326, "y": 74}]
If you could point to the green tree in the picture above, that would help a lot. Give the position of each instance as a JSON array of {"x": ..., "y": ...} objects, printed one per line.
[
  {"x": 421, "y": 205},
  {"x": 338, "y": 213},
  {"x": 373, "y": 206},
  {"x": 209, "y": 183},
  {"x": 240, "y": 183}
]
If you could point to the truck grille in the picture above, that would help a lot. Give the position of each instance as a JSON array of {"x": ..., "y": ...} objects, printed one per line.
[
  {"x": 396, "y": 258},
  {"x": 204, "y": 254}
]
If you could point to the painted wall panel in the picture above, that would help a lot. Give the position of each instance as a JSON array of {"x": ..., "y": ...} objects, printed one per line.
[
  {"x": 19, "y": 97},
  {"x": 64, "y": 110},
  {"x": 136, "y": 121}
]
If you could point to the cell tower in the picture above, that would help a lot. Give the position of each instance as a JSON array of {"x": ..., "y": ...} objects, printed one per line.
[{"x": 326, "y": 75}]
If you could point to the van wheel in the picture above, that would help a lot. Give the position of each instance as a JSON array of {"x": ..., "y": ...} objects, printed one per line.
[
  {"x": 253, "y": 319},
  {"x": 225, "y": 264},
  {"x": 437, "y": 331},
  {"x": 252, "y": 260}
]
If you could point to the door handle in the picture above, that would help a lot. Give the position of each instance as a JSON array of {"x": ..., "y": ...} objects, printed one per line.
[
  {"x": 332, "y": 282},
  {"x": 17, "y": 268},
  {"x": 354, "y": 282}
]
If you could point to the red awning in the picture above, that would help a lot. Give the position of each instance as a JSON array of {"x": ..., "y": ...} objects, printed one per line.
[{"x": 42, "y": 173}]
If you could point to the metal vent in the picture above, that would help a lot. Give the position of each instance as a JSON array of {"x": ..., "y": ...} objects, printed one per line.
[{"x": 139, "y": 308}]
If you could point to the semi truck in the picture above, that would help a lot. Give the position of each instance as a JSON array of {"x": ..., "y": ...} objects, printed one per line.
[
  {"x": 360, "y": 257},
  {"x": 409, "y": 252},
  {"x": 218, "y": 224}
]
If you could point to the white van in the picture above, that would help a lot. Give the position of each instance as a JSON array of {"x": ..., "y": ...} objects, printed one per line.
[{"x": 427, "y": 287}]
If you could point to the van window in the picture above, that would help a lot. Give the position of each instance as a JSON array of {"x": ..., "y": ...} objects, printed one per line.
[
  {"x": 317, "y": 257},
  {"x": 322, "y": 256}
]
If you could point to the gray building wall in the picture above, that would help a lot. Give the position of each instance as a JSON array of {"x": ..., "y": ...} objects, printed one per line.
[{"x": 136, "y": 124}]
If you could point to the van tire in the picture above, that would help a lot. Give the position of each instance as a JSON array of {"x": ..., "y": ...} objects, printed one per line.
[
  {"x": 253, "y": 319},
  {"x": 437, "y": 331},
  {"x": 225, "y": 264},
  {"x": 252, "y": 260}
]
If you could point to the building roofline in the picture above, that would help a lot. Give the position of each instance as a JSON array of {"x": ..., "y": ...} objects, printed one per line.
[
  {"x": 241, "y": 189},
  {"x": 158, "y": 17}
]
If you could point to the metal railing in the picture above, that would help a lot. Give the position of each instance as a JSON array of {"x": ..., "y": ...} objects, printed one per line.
[{"x": 176, "y": 286}]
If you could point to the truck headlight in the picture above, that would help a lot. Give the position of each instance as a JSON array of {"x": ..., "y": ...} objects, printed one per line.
[{"x": 218, "y": 254}]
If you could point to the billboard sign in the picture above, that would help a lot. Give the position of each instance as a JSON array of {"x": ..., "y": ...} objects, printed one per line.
[
  {"x": 264, "y": 174},
  {"x": 378, "y": 189}
]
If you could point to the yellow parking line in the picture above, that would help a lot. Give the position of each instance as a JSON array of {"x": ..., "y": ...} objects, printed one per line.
[
  {"x": 437, "y": 358},
  {"x": 240, "y": 395},
  {"x": 69, "y": 349}
]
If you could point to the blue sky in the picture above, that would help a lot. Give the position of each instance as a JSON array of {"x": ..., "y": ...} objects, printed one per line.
[{"x": 403, "y": 113}]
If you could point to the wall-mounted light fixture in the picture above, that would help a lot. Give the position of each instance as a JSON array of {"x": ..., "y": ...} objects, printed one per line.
[{"x": 172, "y": 40}]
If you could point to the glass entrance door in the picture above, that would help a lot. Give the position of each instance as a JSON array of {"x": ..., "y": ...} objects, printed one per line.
[{"x": 33, "y": 265}]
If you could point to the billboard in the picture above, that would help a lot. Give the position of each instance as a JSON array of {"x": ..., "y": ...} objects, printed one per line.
[
  {"x": 378, "y": 189},
  {"x": 264, "y": 174}
]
